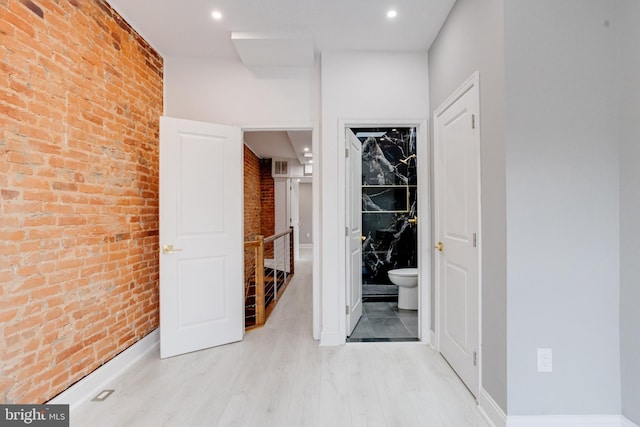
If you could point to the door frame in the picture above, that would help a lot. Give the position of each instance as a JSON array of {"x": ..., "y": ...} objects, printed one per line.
[
  {"x": 315, "y": 212},
  {"x": 291, "y": 182},
  {"x": 472, "y": 83},
  {"x": 424, "y": 217}
]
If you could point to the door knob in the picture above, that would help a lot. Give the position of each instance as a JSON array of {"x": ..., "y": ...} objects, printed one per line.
[
  {"x": 363, "y": 238},
  {"x": 439, "y": 246},
  {"x": 169, "y": 249},
  {"x": 413, "y": 220}
]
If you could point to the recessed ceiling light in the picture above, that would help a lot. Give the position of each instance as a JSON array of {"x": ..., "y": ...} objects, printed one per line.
[
  {"x": 308, "y": 154},
  {"x": 216, "y": 15},
  {"x": 392, "y": 14},
  {"x": 310, "y": 161},
  {"x": 306, "y": 149}
]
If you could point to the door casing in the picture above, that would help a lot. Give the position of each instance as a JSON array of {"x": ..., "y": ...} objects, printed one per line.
[
  {"x": 424, "y": 217},
  {"x": 315, "y": 212},
  {"x": 472, "y": 83},
  {"x": 293, "y": 209}
]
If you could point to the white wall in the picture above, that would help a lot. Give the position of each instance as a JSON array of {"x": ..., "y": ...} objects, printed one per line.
[
  {"x": 357, "y": 86},
  {"x": 562, "y": 170},
  {"x": 630, "y": 209},
  {"x": 281, "y": 205},
  {"x": 227, "y": 92},
  {"x": 306, "y": 203},
  {"x": 472, "y": 39}
]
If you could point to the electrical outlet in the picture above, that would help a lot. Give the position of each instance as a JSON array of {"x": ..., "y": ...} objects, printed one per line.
[{"x": 545, "y": 360}]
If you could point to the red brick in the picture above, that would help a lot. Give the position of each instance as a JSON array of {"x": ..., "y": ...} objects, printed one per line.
[
  {"x": 8, "y": 316},
  {"x": 12, "y": 234},
  {"x": 64, "y": 186},
  {"x": 43, "y": 196},
  {"x": 9, "y": 194},
  {"x": 79, "y": 192}
]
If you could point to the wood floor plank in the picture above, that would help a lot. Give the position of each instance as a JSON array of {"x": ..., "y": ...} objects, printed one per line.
[
  {"x": 365, "y": 402},
  {"x": 278, "y": 376},
  {"x": 335, "y": 407}
]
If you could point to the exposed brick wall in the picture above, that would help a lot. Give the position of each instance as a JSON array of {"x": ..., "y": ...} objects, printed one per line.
[
  {"x": 80, "y": 101},
  {"x": 251, "y": 194},
  {"x": 259, "y": 196},
  {"x": 259, "y": 218},
  {"x": 259, "y": 199},
  {"x": 267, "y": 199}
]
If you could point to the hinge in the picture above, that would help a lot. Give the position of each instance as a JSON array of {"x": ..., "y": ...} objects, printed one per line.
[
  {"x": 475, "y": 240},
  {"x": 346, "y": 231},
  {"x": 475, "y": 358},
  {"x": 346, "y": 152},
  {"x": 473, "y": 121},
  {"x": 348, "y": 309}
]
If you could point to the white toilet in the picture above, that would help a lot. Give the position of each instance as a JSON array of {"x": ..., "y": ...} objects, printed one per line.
[{"x": 407, "y": 281}]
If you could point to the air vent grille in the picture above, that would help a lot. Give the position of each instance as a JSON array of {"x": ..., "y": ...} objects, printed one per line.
[{"x": 280, "y": 168}]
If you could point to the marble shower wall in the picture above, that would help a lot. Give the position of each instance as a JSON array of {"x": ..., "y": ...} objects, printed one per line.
[{"x": 389, "y": 201}]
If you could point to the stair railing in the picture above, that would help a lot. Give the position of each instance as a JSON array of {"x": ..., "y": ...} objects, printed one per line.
[{"x": 269, "y": 267}]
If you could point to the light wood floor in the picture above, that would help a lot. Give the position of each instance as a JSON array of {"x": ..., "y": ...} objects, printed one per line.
[{"x": 279, "y": 376}]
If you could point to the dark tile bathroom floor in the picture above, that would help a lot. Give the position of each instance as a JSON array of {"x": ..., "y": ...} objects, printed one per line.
[{"x": 384, "y": 321}]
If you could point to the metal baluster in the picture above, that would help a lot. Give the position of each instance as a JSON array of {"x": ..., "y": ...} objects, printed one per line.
[{"x": 275, "y": 270}]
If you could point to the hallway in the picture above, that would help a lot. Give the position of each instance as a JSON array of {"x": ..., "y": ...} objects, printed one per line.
[{"x": 279, "y": 376}]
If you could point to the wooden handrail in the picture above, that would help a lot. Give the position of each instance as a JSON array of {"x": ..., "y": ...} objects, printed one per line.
[{"x": 277, "y": 236}]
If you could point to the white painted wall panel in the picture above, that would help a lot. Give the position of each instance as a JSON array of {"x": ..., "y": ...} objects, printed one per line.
[
  {"x": 227, "y": 92},
  {"x": 306, "y": 204},
  {"x": 357, "y": 86},
  {"x": 562, "y": 157},
  {"x": 472, "y": 39},
  {"x": 630, "y": 208}
]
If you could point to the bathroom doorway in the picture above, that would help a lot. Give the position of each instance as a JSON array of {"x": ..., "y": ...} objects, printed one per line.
[{"x": 383, "y": 234}]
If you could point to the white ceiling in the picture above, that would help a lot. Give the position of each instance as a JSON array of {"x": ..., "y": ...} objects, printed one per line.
[
  {"x": 282, "y": 33},
  {"x": 185, "y": 28},
  {"x": 274, "y": 49},
  {"x": 279, "y": 144}
]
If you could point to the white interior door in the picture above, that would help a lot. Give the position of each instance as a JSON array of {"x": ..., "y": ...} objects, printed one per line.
[
  {"x": 294, "y": 214},
  {"x": 201, "y": 242},
  {"x": 457, "y": 224},
  {"x": 354, "y": 231}
]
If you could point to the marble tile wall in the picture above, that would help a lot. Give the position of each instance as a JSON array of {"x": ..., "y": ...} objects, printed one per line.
[{"x": 389, "y": 201}]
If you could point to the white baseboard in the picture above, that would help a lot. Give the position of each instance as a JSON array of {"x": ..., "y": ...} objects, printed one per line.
[
  {"x": 328, "y": 339},
  {"x": 496, "y": 417},
  {"x": 567, "y": 421},
  {"x": 90, "y": 385},
  {"x": 432, "y": 339},
  {"x": 491, "y": 411}
]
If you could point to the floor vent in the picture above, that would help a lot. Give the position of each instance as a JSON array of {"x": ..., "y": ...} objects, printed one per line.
[{"x": 102, "y": 396}]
